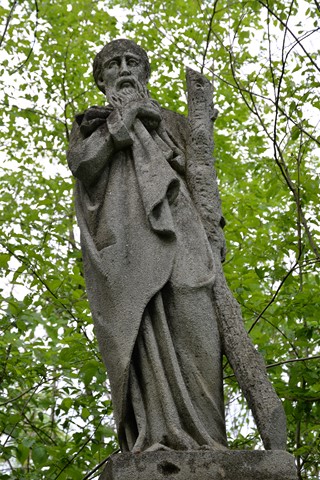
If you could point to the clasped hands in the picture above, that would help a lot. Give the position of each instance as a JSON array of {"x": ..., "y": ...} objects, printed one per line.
[{"x": 146, "y": 110}]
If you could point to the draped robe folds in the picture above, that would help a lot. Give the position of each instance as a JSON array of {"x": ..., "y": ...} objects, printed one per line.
[{"x": 149, "y": 275}]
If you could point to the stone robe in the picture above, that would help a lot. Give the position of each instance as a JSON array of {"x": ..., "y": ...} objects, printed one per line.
[{"x": 149, "y": 275}]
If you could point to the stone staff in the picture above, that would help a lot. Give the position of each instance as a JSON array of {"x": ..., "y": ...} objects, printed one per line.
[{"x": 246, "y": 362}]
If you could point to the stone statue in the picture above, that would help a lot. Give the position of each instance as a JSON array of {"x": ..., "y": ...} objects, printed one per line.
[{"x": 149, "y": 212}]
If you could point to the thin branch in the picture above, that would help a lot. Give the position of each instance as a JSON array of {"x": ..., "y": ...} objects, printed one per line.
[
  {"x": 303, "y": 37},
  {"x": 283, "y": 66},
  {"x": 291, "y": 32},
  {"x": 253, "y": 108},
  {"x": 252, "y": 94},
  {"x": 285, "y": 173},
  {"x": 214, "y": 11},
  {"x": 236, "y": 30},
  {"x": 69, "y": 462},
  {"x": 238, "y": 87},
  {"x": 276, "y": 327},
  {"x": 11, "y": 400},
  {"x": 64, "y": 89},
  {"x": 274, "y": 296},
  {"x": 278, "y": 155},
  {"x": 279, "y": 159},
  {"x": 44, "y": 380},
  {"x": 293, "y": 360},
  {"x": 284, "y": 362},
  {"x": 81, "y": 94},
  {"x": 5, "y": 363},
  {"x": 299, "y": 229},
  {"x": 172, "y": 41},
  {"x": 38, "y": 430},
  {"x": 35, "y": 273},
  {"x": 234, "y": 399},
  {"x": 32, "y": 110},
  {"x": 52, "y": 293},
  {"x": 8, "y": 21},
  {"x": 95, "y": 469},
  {"x": 33, "y": 41},
  {"x": 22, "y": 411},
  {"x": 270, "y": 54}
]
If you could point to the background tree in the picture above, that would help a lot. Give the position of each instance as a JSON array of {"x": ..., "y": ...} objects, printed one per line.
[{"x": 262, "y": 56}]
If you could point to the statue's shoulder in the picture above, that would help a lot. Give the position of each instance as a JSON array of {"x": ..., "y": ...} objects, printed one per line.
[
  {"x": 175, "y": 117},
  {"x": 176, "y": 123},
  {"x": 88, "y": 121},
  {"x": 93, "y": 112}
]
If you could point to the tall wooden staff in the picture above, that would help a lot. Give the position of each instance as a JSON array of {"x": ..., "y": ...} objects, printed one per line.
[{"x": 246, "y": 362}]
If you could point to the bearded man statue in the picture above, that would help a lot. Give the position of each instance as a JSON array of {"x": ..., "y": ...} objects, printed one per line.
[{"x": 148, "y": 262}]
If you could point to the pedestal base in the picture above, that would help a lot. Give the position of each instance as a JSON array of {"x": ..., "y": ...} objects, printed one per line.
[{"x": 201, "y": 465}]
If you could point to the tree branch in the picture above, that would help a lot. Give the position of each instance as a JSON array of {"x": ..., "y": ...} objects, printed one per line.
[
  {"x": 278, "y": 156},
  {"x": 284, "y": 362},
  {"x": 95, "y": 469},
  {"x": 11, "y": 400},
  {"x": 5, "y": 363},
  {"x": 8, "y": 21},
  {"x": 274, "y": 296},
  {"x": 22, "y": 411},
  {"x": 32, "y": 110},
  {"x": 293, "y": 360},
  {"x": 291, "y": 32},
  {"x": 204, "y": 55},
  {"x": 69, "y": 462},
  {"x": 33, "y": 41},
  {"x": 66, "y": 103},
  {"x": 38, "y": 431},
  {"x": 276, "y": 327}
]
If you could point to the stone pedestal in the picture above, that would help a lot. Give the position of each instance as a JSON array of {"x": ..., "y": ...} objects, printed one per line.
[{"x": 202, "y": 465}]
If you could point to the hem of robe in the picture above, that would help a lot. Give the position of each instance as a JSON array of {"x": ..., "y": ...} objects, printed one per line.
[{"x": 161, "y": 415}]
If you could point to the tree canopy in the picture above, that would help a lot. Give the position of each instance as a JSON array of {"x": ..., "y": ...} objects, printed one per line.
[{"x": 263, "y": 59}]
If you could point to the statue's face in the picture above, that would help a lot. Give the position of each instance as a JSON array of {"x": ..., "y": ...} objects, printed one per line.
[{"x": 123, "y": 71}]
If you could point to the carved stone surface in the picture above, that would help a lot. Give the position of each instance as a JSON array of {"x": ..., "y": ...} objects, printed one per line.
[
  {"x": 149, "y": 213},
  {"x": 202, "y": 465}
]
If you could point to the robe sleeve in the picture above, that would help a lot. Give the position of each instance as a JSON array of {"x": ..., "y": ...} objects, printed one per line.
[
  {"x": 91, "y": 148},
  {"x": 87, "y": 157}
]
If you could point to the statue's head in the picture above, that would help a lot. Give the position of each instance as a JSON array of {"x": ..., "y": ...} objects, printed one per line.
[{"x": 121, "y": 67}]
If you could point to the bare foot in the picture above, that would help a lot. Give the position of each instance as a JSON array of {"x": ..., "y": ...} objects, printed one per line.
[
  {"x": 216, "y": 446},
  {"x": 156, "y": 447}
]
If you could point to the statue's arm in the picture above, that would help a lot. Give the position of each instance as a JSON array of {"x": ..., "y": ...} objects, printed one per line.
[
  {"x": 88, "y": 156},
  {"x": 98, "y": 133}
]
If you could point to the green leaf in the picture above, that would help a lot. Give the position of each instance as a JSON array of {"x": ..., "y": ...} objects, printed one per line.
[
  {"x": 4, "y": 259},
  {"x": 66, "y": 404},
  {"x": 39, "y": 454},
  {"x": 85, "y": 413},
  {"x": 22, "y": 453},
  {"x": 295, "y": 132}
]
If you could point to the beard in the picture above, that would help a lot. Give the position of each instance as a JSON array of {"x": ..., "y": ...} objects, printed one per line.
[{"x": 120, "y": 97}]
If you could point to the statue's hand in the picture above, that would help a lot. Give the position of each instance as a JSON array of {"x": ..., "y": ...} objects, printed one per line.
[
  {"x": 147, "y": 110},
  {"x": 150, "y": 114},
  {"x": 91, "y": 119}
]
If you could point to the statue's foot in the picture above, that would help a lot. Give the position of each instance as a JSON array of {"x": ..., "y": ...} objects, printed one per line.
[
  {"x": 156, "y": 447},
  {"x": 215, "y": 446}
]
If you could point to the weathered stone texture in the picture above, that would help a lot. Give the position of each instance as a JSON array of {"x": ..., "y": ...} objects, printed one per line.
[{"x": 202, "y": 465}]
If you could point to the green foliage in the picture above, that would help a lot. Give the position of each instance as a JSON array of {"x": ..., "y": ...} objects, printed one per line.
[{"x": 55, "y": 416}]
